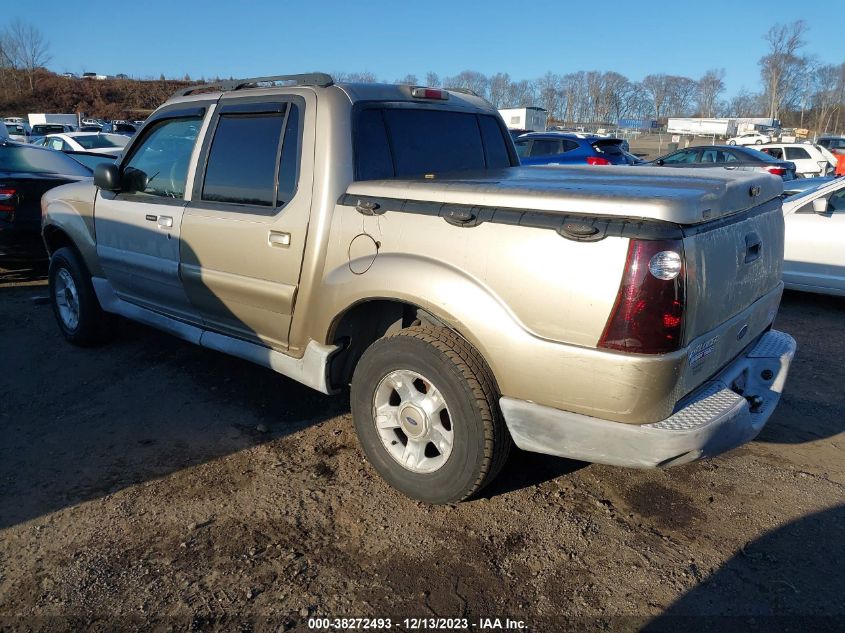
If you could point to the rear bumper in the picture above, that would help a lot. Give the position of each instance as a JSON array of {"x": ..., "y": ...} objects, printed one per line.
[{"x": 725, "y": 412}]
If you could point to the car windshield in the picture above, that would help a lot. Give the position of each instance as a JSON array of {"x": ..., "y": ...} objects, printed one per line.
[
  {"x": 15, "y": 129},
  {"x": 24, "y": 159},
  {"x": 95, "y": 141},
  {"x": 43, "y": 130},
  {"x": 805, "y": 193}
]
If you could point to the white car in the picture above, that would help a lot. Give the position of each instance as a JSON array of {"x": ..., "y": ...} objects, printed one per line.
[
  {"x": 814, "y": 256},
  {"x": 85, "y": 142},
  {"x": 750, "y": 138},
  {"x": 810, "y": 160}
]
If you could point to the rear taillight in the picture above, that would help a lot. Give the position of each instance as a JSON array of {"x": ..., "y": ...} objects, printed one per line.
[
  {"x": 648, "y": 316},
  {"x": 429, "y": 93},
  {"x": 8, "y": 200},
  {"x": 776, "y": 171},
  {"x": 597, "y": 160}
]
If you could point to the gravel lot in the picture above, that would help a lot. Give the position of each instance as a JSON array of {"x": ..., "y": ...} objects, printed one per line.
[{"x": 154, "y": 485}]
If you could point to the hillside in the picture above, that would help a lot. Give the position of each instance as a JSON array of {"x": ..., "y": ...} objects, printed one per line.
[{"x": 108, "y": 98}]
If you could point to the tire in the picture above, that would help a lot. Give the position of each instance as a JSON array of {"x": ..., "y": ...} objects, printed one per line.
[
  {"x": 758, "y": 142},
  {"x": 78, "y": 313},
  {"x": 731, "y": 142},
  {"x": 429, "y": 367}
]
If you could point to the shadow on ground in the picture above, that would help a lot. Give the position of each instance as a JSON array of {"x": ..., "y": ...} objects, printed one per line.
[{"x": 790, "y": 579}]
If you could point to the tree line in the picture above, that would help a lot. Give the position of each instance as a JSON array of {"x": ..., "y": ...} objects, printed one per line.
[{"x": 795, "y": 87}]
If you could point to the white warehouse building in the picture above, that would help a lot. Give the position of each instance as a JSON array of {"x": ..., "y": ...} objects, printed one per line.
[{"x": 530, "y": 118}]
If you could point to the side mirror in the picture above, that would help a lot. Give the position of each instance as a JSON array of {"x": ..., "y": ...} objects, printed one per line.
[
  {"x": 133, "y": 180},
  {"x": 820, "y": 205},
  {"x": 107, "y": 176}
]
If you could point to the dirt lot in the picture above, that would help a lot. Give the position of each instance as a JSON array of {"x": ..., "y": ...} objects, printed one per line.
[{"x": 154, "y": 485}]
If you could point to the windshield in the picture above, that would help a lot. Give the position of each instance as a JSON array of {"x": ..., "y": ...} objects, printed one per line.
[
  {"x": 95, "y": 141},
  {"x": 44, "y": 130},
  {"x": 25, "y": 159}
]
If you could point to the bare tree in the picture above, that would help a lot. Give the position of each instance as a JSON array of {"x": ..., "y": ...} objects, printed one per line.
[
  {"x": 681, "y": 94},
  {"x": 657, "y": 87},
  {"x": 744, "y": 104},
  {"x": 26, "y": 48},
  {"x": 710, "y": 86},
  {"x": 782, "y": 68},
  {"x": 469, "y": 80},
  {"x": 499, "y": 85},
  {"x": 829, "y": 82},
  {"x": 432, "y": 79},
  {"x": 520, "y": 94},
  {"x": 409, "y": 80}
]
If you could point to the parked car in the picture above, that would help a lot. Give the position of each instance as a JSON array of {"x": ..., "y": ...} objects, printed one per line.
[
  {"x": 516, "y": 133},
  {"x": 85, "y": 142},
  {"x": 729, "y": 157},
  {"x": 40, "y": 130},
  {"x": 91, "y": 159},
  {"x": 832, "y": 143},
  {"x": 810, "y": 160},
  {"x": 622, "y": 317},
  {"x": 800, "y": 185},
  {"x": 556, "y": 148},
  {"x": 814, "y": 256},
  {"x": 26, "y": 172},
  {"x": 127, "y": 129},
  {"x": 750, "y": 138},
  {"x": 17, "y": 132}
]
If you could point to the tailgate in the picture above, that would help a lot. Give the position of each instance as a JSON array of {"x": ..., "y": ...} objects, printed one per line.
[{"x": 731, "y": 264}]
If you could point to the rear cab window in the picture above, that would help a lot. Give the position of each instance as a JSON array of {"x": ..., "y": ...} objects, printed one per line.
[{"x": 392, "y": 141}]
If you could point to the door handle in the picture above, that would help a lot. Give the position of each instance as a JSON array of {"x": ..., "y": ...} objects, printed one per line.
[
  {"x": 279, "y": 239},
  {"x": 165, "y": 222},
  {"x": 753, "y": 246}
]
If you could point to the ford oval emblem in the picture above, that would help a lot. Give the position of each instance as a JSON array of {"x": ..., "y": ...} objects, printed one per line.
[
  {"x": 742, "y": 332},
  {"x": 411, "y": 420},
  {"x": 754, "y": 191}
]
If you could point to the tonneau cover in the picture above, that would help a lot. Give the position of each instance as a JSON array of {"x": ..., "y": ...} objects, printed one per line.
[{"x": 677, "y": 195}]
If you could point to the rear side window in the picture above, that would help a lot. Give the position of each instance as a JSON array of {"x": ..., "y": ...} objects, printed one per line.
[
  {"x": 545, "y": 147},
  {"x": 796, "y": 153},
  {"x": 407, "y": 142},
  {"x": 243, "y": 163}
]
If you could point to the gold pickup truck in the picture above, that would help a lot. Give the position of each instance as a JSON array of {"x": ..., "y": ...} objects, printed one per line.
[{"x": 386, "y": 237}]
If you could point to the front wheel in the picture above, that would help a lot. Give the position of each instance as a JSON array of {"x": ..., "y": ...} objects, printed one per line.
[
  {"x": 426, "y": 412},
  {"x": 758, "y": 142},
  {"x": 731, "y": 142},
  {"x": 75, "y": 305}
]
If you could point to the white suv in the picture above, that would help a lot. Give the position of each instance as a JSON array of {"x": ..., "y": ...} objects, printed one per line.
[{"x": 810, "y": 160}]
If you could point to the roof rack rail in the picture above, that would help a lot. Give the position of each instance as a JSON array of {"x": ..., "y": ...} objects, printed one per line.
[
  {"x": 322, "y": 80},
  {"x": 465, "y": 91}
]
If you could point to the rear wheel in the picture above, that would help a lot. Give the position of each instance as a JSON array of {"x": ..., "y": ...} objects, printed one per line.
[
  {"x": 75, "y": 305},
  {"x": 426, "y": 412}
]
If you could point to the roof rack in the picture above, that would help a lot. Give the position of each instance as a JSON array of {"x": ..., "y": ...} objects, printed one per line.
[{"x": 308, "y": 79}]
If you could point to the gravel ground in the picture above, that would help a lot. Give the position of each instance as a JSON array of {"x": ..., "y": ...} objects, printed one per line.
[{"x": 153, "y": 485}]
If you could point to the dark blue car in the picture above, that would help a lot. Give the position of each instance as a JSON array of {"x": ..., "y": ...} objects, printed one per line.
[{"x": 555, "y": 148}]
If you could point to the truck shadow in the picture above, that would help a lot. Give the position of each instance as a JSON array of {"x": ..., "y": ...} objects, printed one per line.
[
  {"x": 790, "y": 579},
  {"x": 813, "y": 400}
]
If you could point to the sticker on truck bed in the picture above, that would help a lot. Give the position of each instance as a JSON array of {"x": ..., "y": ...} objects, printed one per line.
[{"x": 701, "y": 351}]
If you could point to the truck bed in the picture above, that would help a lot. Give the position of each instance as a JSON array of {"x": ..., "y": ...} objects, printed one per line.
[{"x": 678, "y": 196}]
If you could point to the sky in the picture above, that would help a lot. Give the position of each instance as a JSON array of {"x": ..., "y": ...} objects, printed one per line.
[{"x": 392, "y": 38}]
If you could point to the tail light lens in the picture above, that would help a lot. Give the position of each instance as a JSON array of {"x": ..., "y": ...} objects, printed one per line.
[
  {"x": 648, "y": 316},
  {"x": 597, "y": 160},
  {"x": 8, "y": 201},
  {"x": 429, "y": 93},
  {"x": 777, "y": 171}
]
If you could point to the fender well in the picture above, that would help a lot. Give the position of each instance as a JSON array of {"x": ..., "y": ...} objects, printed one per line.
[{"x": 401, "y": 290}]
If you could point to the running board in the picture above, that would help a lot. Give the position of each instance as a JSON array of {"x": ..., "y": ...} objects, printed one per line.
[{"x": 311, "y": 370}]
